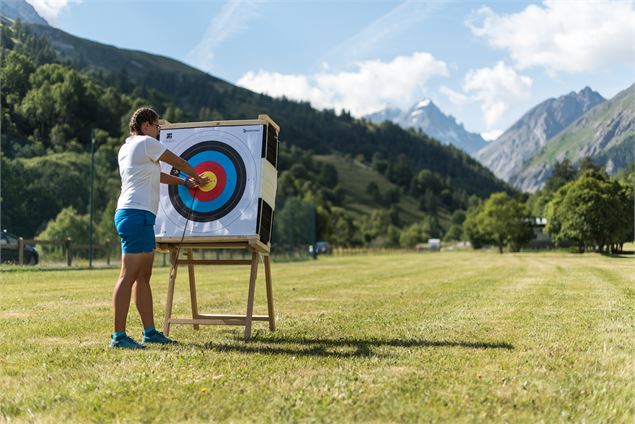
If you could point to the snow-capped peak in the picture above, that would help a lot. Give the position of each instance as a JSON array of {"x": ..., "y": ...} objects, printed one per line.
[
  {"x": 427, "y": 117},
  {"x": 423, "y": 103}
]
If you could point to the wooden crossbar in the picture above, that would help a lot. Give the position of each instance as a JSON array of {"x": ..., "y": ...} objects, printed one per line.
[
  {"x": 214, "y": 262},
  {"x": 218, "y": 319}
]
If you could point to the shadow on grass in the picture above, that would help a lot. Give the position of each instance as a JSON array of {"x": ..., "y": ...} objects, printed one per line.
[
  {"x": 339, "y": 348},
  {"x": 625, "y": 254}
]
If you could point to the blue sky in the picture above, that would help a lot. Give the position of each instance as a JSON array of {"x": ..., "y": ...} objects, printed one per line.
[{"x": 486, "y": 63}]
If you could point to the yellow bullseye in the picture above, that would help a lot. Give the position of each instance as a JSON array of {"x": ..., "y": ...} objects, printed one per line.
[{"x": 211, "y": 183}]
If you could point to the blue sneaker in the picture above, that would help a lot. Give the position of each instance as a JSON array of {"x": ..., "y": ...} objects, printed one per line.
[
  {"x": 125, "y": 343},
  {"x": 156, "y": 337}
]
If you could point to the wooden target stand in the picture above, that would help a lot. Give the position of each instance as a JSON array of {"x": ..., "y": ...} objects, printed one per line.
[{"x": 254, "y": 246}]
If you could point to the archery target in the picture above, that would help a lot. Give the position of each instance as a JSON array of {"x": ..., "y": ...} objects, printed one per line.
[
  {"x": 230, "y": 156},
  {"x": 224, "y": 168}
]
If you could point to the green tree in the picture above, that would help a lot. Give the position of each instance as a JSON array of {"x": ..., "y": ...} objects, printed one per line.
[
  {"x": 625, "y": 227},
  {"x": 587, "y": 164},
  {"x": 15, "y": 206},
  {"x": 373, "y": 190},
  {"x": 593, "y": 211},
  {"x": 68, "y": 223},
  {"x": 401, "y": 173},
  {"x": 59, "y": 97},
  {"x": 392, "y": 196},
  {"x": 328, "y": 176},
  {"x": 432, "y": 226},
  {"x": 458, "y": 217},
  {"x": 344, "y": 229},
  {"x": 502, "y": 221},
  {"x": 14, "y": 76},
  {"x": 472, "y": 228},
  {"x": 294, "y": 223},
  {"x": 47, "y": 185},
  {"x": 454, "y": 233},
  {"x": 563, "y": 172},
  {"x": 426, "y": 180},
  {"x": 375, "y": 225},
  {"x": 413, "y": 235}
]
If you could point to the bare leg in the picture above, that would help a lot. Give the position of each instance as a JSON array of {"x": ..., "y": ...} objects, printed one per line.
[
  {"x": 143, "y": 292},
  {"x": 131, "y": 267}
]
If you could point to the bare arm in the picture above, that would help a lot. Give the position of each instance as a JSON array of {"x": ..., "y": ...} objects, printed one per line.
[
  {"x": 174, "y": 180},
  {"x": 180, "y": 164}
]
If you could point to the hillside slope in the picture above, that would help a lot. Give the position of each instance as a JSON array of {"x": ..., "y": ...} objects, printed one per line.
[
  {"x": 354, "y": 178},
  {"x": 606, "y": 134}
]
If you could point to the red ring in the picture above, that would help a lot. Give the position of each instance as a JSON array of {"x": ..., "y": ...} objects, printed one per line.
[{"x": 221, "y": 181}]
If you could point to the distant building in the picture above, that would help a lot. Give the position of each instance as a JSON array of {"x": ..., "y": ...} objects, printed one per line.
[
  {"x": 434, "y": 245},
  {"x": 541, "y": 239}
]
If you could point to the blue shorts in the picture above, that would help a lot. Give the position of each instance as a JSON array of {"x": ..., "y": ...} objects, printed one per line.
[{"x": 136, "y": 229}]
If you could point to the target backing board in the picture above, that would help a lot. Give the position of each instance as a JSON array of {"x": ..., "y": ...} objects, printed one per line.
[{"x": 240, "y": 159}]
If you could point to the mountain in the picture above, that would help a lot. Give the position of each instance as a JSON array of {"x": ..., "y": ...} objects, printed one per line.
[
  {"x": 507, "y": 155},
  {"x": 19, "y": 9},
  {"x": 427, "y": 117},
  {"x": 606, "y": 134}
]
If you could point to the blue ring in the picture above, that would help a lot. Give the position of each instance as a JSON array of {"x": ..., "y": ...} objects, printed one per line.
[{"x": 230, "y": 182}]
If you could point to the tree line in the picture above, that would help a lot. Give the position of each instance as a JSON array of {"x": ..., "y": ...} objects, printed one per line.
[{"x": 584, "y": 207}]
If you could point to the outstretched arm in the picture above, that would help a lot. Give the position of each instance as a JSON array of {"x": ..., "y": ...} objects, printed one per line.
[
  {"x": 174, "y": 180},
  {"x": 182, "y": 165}
]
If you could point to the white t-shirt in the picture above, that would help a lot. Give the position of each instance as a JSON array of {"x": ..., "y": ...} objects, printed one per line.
[{"x": 140, "y": 173}]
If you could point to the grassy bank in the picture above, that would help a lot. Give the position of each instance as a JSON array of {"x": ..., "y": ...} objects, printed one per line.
[{"x": 463, "y": 336}]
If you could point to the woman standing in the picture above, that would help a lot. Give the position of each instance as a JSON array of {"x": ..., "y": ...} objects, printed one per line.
[{"x": 134, "y": 219}]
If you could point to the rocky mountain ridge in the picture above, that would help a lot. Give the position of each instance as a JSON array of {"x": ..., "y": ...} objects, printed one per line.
[
  {"x": 605, "y": 133},
  {"x": 19, "y": 9},
  {"x": 508, "y": 154}
]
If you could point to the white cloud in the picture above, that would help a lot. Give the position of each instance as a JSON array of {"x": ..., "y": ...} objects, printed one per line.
[
  {"x": 49, "y": 9},
  {"x": 374, "y": 85},
  {"x": 571, "y": 36},
  {"x": 455, "y": 97},
  {"x": 233, "y": 18},
  {"x": 498, "y": 89}
]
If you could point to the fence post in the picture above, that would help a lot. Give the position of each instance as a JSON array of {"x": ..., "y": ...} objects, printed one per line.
[
  {"x": 69, "y": 256},
  {"x": 108, "y": 248},
  {"x": 164, "y": 260},
  {"x": 20, "y": 251}
]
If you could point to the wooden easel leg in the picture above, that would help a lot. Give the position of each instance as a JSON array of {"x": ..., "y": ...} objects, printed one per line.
[
  {"x": 250, "y": 296},
  {"x": 171, "y": 281},
  {"x": 190, "y": 269},
  {"x": 272, "y": 318}
]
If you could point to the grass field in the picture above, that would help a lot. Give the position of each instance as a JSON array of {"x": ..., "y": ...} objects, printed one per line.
[{"x": 457, "y": 336}]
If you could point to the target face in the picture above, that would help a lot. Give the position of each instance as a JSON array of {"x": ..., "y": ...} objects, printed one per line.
[
  {"x": 227, "y": 206},
  {"x": 225, "y": 170}
]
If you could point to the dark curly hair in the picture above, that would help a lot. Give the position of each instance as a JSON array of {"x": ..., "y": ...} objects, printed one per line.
[{"x": 141, "y": 115}]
